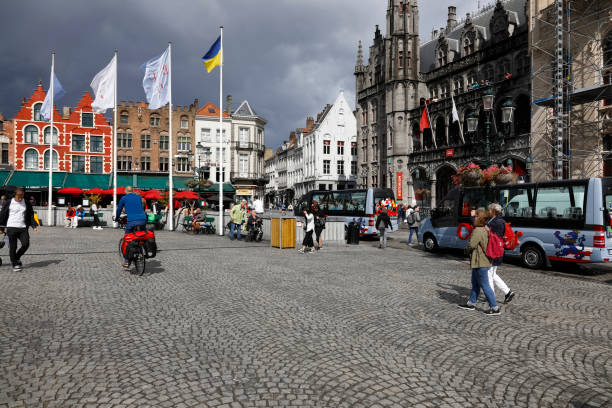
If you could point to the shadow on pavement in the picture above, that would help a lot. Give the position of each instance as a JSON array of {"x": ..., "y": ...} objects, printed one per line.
[
  {"x": 42, "y": 264},
  {"x": 153, "y": 266},
  {"x": 458, "y": 294}
]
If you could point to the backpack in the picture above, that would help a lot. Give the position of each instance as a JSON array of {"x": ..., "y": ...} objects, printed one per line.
[
  {"x": 511, "y": 239},
  {"x": 495, "y": 246},
  {"x": 410, "y": 218}
]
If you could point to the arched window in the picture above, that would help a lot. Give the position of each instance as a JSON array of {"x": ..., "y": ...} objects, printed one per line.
[
  {"x": 36, "y": 111},
  {"x": 31, "y": 159},
  {"x": 47, "y": 132},
  {"x": 124, "y": 118},
  {"x": 31, "y": 134},
  {"x": 468, "y": 46},
  {"x": 46, "y": 160},
  {"x": 184, "y": 122},
  {"x": 607, "y": 50}
]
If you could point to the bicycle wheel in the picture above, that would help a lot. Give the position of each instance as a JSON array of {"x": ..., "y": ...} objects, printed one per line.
[
  {"x": 121, "y": 249},
  {"x": 139, "y": 261}
]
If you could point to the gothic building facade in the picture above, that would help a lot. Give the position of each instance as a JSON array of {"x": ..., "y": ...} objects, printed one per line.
[{"x": 487, "y": 52}]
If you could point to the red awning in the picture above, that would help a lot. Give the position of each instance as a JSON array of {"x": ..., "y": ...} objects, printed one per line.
[{"x": 70, "y": 190}]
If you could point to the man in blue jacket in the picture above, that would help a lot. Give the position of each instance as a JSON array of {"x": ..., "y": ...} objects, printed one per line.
[{"x": 132, "y": 204}]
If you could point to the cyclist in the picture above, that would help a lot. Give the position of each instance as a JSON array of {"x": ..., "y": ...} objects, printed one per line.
[{"x": 132, "y": 204}]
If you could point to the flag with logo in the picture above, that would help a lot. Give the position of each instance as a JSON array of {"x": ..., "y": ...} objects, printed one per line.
[
  {"x": 58, "y": 92},
  {"x": 155, "y": 81},
  {"x": 455, "y": 116},
  {"x": 103, "y": 86},
  {"x": 214, "y": 55}
]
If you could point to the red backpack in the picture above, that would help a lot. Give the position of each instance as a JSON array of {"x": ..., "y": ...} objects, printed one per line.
[
  {"x": 511, "y": 239},
  {"x": 495, "y": 246}
]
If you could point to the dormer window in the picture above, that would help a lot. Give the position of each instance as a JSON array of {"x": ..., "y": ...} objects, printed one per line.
[
  {"x": 468, "y": 46},
  {"x": 442, "y": 58},
  {"x": 87, "y": 120},
  {"x": 36, "y": 111}
]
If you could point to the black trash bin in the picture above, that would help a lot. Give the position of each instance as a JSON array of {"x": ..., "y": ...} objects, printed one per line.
[{"x": 352, "y": 233}]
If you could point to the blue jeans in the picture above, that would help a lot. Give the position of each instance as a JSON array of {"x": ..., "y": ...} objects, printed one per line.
[
  {"x": 414, "y": 230},
  {"x": 129, "y": 227},
  {"x": 480, "y": 280},
  {"x": 235, "y": 230}
]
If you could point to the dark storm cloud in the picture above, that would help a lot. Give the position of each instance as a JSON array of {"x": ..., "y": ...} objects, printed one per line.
[{"x": 288, "y": 58}]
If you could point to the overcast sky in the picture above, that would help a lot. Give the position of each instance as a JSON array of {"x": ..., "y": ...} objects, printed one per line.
[{"x": 288, "y": 58}]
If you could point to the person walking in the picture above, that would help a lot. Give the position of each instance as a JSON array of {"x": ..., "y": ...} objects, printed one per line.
[
  {"x": 319, "y": 225},
  {"x": 237, "y": 216},
  {"x": 413, "y": 219},
  {"x": 18, "y": 216},
  {"x": 480, "y": 264},
  {"x": 497, "y": 225},
  {"x": 401, "y": 214},
  {"x": 96, "y": 219},
  {"x": 309, "y": 226},
  {"x": 70, "y": 214},
  {"x": 382, "y": 223}
]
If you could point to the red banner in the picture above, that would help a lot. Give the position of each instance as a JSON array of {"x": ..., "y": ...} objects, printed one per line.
[
  {"x": 400, "y": 184},
  {"x": 450, "y": 152}
]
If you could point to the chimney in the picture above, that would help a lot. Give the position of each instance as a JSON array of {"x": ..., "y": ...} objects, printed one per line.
[
  {"x": 228, "y": 105},
  {"x": 310, "y": 122},
  {"x": 66, "y": 112},
  {"x": 451, "y": 22},
  {"x": 292, "y": 138}
]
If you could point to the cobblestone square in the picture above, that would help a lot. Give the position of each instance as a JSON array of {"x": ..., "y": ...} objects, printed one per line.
[{"x": 219, "y": 323}]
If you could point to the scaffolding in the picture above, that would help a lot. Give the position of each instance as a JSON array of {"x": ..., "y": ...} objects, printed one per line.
[{"x": 569, "y": 87}]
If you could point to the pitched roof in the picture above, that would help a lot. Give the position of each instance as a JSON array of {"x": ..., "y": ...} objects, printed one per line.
[
  {"x": 210, "y": 110},
  {"x": 245, "y": 110}
]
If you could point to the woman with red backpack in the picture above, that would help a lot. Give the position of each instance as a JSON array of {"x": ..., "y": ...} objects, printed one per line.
[{"x": 497, "y": 226}]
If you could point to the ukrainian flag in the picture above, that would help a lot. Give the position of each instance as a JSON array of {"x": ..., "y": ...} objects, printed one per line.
[{"x": 213, "y": 56}]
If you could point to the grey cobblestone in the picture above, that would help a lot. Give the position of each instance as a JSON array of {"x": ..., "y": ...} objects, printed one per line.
[{"x": 227, "y": 324}]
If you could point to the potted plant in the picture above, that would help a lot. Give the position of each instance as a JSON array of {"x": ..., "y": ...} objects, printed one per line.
[
  {"x": 504, "y": 176},
  {"x": 468, "y": 176}
]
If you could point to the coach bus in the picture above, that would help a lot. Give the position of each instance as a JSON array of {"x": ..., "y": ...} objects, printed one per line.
[
  {"x": 359, "y": 205},
  {"x": 567, "y": 221}
]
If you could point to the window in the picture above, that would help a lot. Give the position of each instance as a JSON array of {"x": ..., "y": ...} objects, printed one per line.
[
  {"x": 46, "y": 160},
  {"x": 326, "y": 166},
  {"x": 244, "y": 135},
  {"x": 78, "y": 164},
  {"x": 400, "y": 59},
  {"x": 607, "y": 50},
  {"x": 124, "y": 118},
  {"x": 353, "y": 168},
  {"x": 205, "y": 134},
  {"x": 217, "y": 136},
  {"x": 218, "y": 174},
  {"x": 96, "y": 164},
  {"x": 4, "y": 159},
  {"x": 321, "y": 187},
  {"x": 244, "y": 165},
  {"x": 341, "y": 148},
  {"x": 260, "y": 136},
  {"x": 468, "y": 47},
  {"x": 163, "y": 164},
  {"x": 124, "y": 140},
  {"x": 145, "y": 141},
  {"x": 31, "y": 159},
  {"x": 124, "y": 162},
  {"x": 353, "y": 149},
  {"x": 182, "y": 164},
  {"x": 560, "y": 202},
  {"x": 326, "y": 147},
  {"x": 47, "y": 132},
  {"x": 87, "y": 120},
  {"x": 96, "y": 144},
  {"x": 154, "y": 121},
  {"x": 78, "y": 143},
  {"x": 31, "y": 134},
  {"x": 184, "y": 143},
  {"x": 184, "y": 122},
  {"x": 164, "y": 142},
  {"x": 340, "y": 167},
  {"x": 145, "y": 163},
  {"x": 36, "y": 111}
]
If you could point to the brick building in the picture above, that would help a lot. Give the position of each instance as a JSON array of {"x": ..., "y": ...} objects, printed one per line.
[
  {"x": 6, "y": 140},
  {"x": 143, "y": 138},
  {"x": 82, "y": 139}
]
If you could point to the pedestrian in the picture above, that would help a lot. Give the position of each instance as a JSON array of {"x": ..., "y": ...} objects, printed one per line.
[
  {"x": 382, "y": 223},
  {"x": 70, "y": 213},
  {"x": 497, "y": 225},
  {"x": 3, "y": 202},
  {"x": 93, "y": 211},
  {"x": 18, "y": 216},
  {"x": 79, "y": 214},
  {"x": 480, "y": 264},
  {"x": 413, "y": 219},
  {"x": 401, "y": 214},
  {"x": 319, "y": 224},
  {"x": 237, "y": 216},
  {"x": 258, "y": 206},
  {"x": 307, "y": 242}
]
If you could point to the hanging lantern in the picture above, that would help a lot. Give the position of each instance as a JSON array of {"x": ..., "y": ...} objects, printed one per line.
[
  {"x": 508, "y": 111},
  {"x": 487, "y": 100},
  {"x": 472, "y": 122}
]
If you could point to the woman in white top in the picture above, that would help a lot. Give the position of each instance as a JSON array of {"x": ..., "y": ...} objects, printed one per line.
[
  {"x": 309, "y": 226},
  {"x": 18, "y": 216}
]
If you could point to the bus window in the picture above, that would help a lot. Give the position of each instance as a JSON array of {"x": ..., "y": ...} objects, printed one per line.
[
  {"x": 358, "y": 201},
  {"x": 576, "y": 211},
  {"x": 322, "y": 199},
  {"x": 515, "y": 202},
  {"x": 474, "y": 198},
  {"x": 339, "y": 201},
  {"x": 553, "y": 202}
]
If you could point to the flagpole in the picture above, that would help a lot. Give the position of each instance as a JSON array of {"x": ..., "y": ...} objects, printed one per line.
[
  {"x": 114, "y": 154},
  {"x": 221, "y": 155},
  {"x": 50, "y": 198},
  {"x": 170, "y": 139}
]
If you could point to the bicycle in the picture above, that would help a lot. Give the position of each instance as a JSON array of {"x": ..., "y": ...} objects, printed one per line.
[{"x": 138, "y": 253}]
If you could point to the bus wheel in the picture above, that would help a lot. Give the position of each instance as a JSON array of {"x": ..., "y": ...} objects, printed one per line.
[
  {"x": 532, "y": 256},
  {"x": 430, "y": 243}
]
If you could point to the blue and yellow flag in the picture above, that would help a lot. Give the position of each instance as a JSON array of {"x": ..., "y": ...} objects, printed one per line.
[{"x": 213, "y": 56}]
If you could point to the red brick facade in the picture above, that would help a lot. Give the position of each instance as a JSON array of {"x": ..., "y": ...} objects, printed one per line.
[{"x": 84, "y": 137}]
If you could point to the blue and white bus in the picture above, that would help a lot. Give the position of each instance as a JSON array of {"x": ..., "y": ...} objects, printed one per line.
[
  {"x": 567, "y": 221},
  {"x": 359, "y": 205}
]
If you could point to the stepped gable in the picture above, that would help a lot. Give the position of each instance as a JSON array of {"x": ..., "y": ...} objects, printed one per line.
[{"x": 39, "y": 94}]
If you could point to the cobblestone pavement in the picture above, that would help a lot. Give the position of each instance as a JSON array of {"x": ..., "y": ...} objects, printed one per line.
[{"x": 230, "y": 324}]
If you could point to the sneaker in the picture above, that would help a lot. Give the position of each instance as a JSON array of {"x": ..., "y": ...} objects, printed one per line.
[
  {"x": 467, "y": 306},
  {"x": 125, "y": 264},
  {"x": 301, "y": 251},
  {"x": 509, "y": 297},
  {"x": 312, "y": 251},
  {"x": 17, "y": 268},
  {"x": 493, "y": 312}
]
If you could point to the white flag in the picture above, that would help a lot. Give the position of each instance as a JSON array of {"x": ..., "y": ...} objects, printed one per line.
[
  {"x": 103, "y": 86},
  {"x": 58, "y": 92},
  {"x": 455, "y": 116},
  {"x": 155, "y": 81}
]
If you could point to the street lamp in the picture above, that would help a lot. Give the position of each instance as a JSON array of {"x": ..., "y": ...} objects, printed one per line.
[{"x": 508, "y": 111}]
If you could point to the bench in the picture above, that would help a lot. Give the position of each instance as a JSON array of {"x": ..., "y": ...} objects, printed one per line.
[{"x": 87, "y": 220}]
